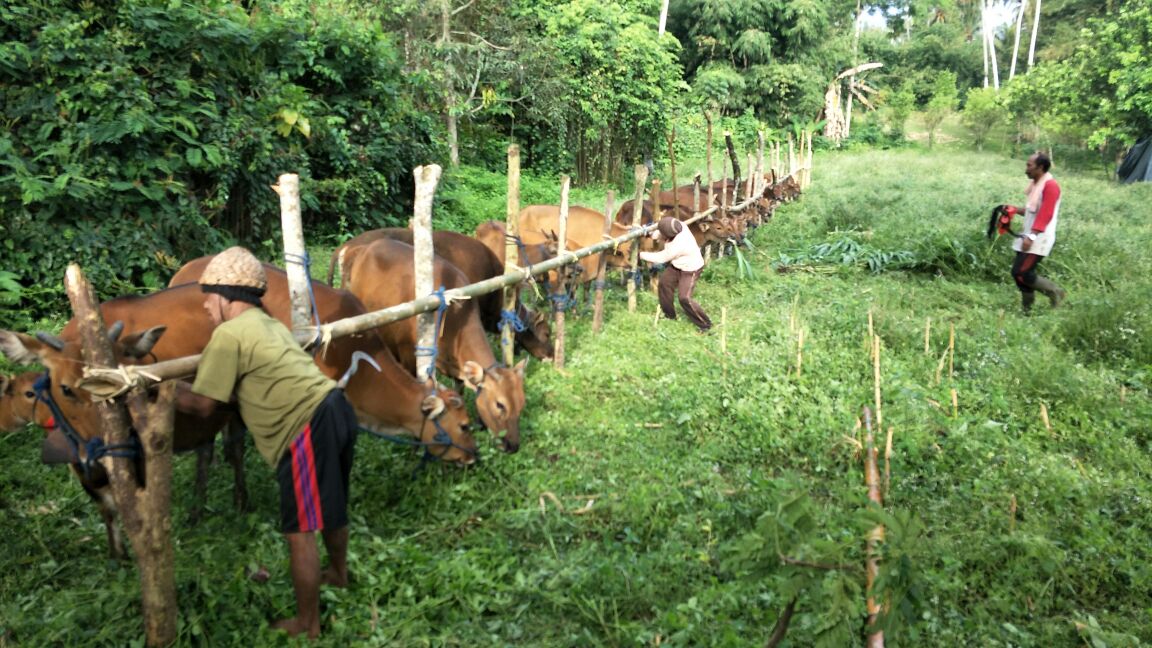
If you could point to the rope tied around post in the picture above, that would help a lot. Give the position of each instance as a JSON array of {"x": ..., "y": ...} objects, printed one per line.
[
  {"x": 513, "y": 320},
  {"x": 305, "y": 261},
  {"x": 433, "y": 351}
]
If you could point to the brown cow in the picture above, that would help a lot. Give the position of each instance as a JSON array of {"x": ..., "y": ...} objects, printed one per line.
[
  {"x": 181, "y": 310},
  {"x": 494, "y": 236},
  {"x": 18, "y": 401},
  {"x": 382, "y": 275},
  {"x": 386, "y": 400},
  {"x": 477, "y": 262},
  {"x": 585, "y": 227}
]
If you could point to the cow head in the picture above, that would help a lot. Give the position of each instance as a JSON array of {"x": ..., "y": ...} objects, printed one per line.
[
  {"x": 499, "y": 399},
  {"x": 443, "y": 409},
  {"x": 536, "y": 338},
  {"x": 65, "y": 367},
  {"x": 18, "y": 401}
]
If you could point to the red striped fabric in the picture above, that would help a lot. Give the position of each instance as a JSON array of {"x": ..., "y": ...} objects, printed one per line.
[{"x": 304, "y": 480}]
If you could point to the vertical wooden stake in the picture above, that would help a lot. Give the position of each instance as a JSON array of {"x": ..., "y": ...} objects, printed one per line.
[
  {"x": 951, "y": 350},
  {"x": 799, "y": 352},
  {"x": 955, "y": 403},
  {"x": 640, "y": 174},
  {"x": 876, "y": 535},
  {"x": 927, "y": 335},
  {"x": 426, "y": 179},
  {"x": 1123, "y": 393},
  {"x": 601, "y": 267},
  {"x": 876, "y": 378},
  {"x": 888, "y": 464},
  {"x": 511, "y": 253},
  {"x": 562, "y": 275},
  {"x": 1044, "y": 417},
  {"x": 288, "y": 188}
]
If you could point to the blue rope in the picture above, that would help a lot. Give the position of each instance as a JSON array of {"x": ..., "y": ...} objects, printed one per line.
[
  {"x": 95, "y": 447},
  {"x": 637, "y": 276},
  {"x": 304, "y": 260},
  {"x": 562, "y": 302},
  {"x": 433, "y": 351},
  {"x": 513, "y": 320}
]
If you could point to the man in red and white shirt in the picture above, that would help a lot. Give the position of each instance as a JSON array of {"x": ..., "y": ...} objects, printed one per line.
[
  {"x": 684, "y": 263},
  {"x": 1041, "y": 214}
]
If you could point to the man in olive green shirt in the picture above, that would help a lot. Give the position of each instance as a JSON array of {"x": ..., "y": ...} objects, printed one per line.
[{"x": 299, "y": 420}]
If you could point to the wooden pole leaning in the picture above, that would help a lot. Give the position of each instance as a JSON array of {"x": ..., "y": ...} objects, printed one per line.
[
  {"x": 511, "y": 253},
  {"x": 656, "y": 216},
  {"x": 602, "y": 266},
  {"x": 640, "y": 173},
  {"x": 145, "y": 510},
  {"x": 559, "y": 301},
  {"x": 426, "y": 179},
  {"x": 295, "y": 254}
]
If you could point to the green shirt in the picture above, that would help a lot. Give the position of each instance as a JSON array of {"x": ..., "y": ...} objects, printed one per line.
[{"x": 276, "y": 382}]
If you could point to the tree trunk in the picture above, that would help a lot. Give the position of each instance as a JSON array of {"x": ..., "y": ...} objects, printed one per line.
[
  {"x": 1016, "y": 39},
  {"x": 1035, "y": 30},
  {"x": 663, "y": 18},
  {"x": 145, "y": 508},
  {"x": 449, "y": 91}
]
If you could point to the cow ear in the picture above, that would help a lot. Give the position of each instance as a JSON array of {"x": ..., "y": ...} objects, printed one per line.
[
  {"x": 704, "y": 225},
  {"x": 472, "y": 375},
  {"x": 520, "y": 367},
  {"x": 432, "y": 406},
  {"x": 139, "y": 345},
  {"x": 20, "y": 348}
]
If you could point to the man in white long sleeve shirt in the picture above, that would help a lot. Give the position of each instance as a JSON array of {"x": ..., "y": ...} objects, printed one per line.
[{"x": 684, "y": 263}]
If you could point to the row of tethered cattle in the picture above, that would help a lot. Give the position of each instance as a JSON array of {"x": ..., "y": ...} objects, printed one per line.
[{"x": 377, "y": 272}]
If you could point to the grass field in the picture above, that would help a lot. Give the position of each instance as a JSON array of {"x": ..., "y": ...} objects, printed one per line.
[{"x": 679, "y": 490}]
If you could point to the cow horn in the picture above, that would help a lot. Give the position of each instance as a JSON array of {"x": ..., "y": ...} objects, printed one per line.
[
  {"x": 432, "y": 406},
  {"x": 50, "y": 340},
  {"x": 143, "y": 344},
  {"x": 115, "y": 330}
]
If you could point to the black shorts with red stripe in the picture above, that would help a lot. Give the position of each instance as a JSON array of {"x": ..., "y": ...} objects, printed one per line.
[{"x": 314, "y": 473}]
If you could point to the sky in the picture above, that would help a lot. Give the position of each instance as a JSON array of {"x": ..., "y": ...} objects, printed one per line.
[{"x": 1003, "y": 13}]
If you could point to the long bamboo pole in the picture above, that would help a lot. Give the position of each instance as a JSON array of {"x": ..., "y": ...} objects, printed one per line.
[{"x": 512, "y": 230}]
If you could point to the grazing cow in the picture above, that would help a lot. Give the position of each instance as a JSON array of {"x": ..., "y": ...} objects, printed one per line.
[
  {"x": 387, "y": 400},
  {"x": 585, "y": 227},
  {"x": 382, "y": 275},
  {"x": 18, "y": 401},
  {"x": 381, "y": 399},
  {"x": 478, "y": 263},
  {"x": 494, "y": 236}
]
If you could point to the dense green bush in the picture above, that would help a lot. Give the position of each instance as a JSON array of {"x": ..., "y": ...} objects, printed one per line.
[{"x": 140, "y": 135}]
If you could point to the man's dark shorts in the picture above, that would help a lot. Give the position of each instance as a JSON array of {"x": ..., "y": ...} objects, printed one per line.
[{"x": 314, "y": 473}]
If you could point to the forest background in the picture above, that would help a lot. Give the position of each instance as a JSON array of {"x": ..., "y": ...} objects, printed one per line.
[{"x": 144, "y": 133}]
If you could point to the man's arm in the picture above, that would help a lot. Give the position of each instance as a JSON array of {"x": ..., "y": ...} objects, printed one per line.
[{"x": 190, "y": 402}]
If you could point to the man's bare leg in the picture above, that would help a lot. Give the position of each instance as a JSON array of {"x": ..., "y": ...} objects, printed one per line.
[
  {"x": 304, "y": 559},
  {"x": 336, "y": 542}
]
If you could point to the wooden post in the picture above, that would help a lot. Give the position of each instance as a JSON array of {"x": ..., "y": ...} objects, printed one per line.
[
  {"x": 708, "y": 154},
  {"x": 672, "y": 164},
  {"x": 511, "y": 252},
  {"x": 760, "y": 164},
  {"x": 874, "y": 639},
  {"x": 295, "y": 254},
  {"x": 562, "y": 275},
  {"x": 145, "y": 512},
  {"x": 696, "y": 194},
  {"x": 426, "y": 333},
  {"x": 656, "y": 215},
  {"x": 876, "y": 378},
  {"x": 748, "y": 184},
  {"x": 601, "y": 267},
  {"x": 640, "y": 173}
]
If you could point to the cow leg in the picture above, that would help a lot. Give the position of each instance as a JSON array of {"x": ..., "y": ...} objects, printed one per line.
[
  {"x": 204, "y": 457},
  {"x": 101, "y": 494},
  {"x": 234, "y": 453}
]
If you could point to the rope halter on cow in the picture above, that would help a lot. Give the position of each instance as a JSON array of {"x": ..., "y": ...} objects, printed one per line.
[
  {"x": 512, "y": 319},
  {"x": 94, "y": 448}
]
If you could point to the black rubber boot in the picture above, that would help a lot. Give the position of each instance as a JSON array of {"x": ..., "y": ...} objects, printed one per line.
[
  {"x": 1054, "y": 293},
  {"x": 1026, "y": 301}
]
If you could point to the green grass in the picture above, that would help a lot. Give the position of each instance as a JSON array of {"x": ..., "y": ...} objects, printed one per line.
[{"x": 684, "y": 464}]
